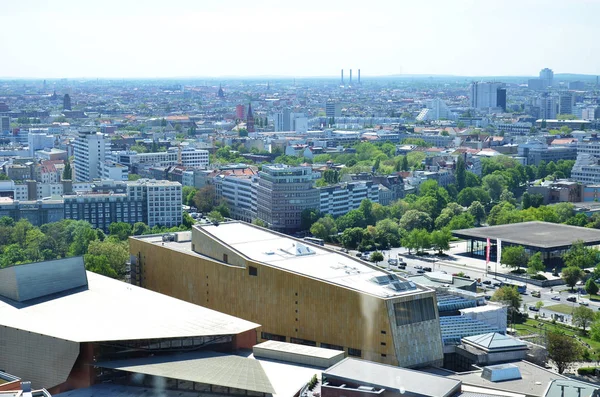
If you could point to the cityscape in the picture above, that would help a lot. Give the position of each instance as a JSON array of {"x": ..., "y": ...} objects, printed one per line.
[{"x": 327, "y": 227}]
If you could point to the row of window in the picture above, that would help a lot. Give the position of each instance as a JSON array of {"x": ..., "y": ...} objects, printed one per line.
[{"x": 281, "y": 338}]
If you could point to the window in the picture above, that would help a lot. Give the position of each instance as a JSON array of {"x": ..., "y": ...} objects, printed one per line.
[
  {"x": 354, "y": 352},
  {"x": 382, "y": 343},
  {"x": 415, "y": 311},
  {"x": 383, "y": 332},
  {"x": 383, "y": 355},
  {"x": 225, "y": 258},
  {"x": 332, "y": 347},
  {"x": 252, "y": 271},
  {"x": 268, "y": 336},
  {"x": 303, "y": 342}
]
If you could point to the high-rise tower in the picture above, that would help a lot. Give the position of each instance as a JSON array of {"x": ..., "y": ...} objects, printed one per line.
[
  {"x": 359, "y": 76},
  {"x": 350, "y": 76},
  {"x": 342, "y": 76},
  {"x": 250, "y": 120},
  {"x": 66, "y": 102},
  {"x": 221, "y": 93}
]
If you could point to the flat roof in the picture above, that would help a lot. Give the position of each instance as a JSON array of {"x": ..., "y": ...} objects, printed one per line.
[
  {"x": 294, "y": 348},
  {"x": 277, "y": 250},
  {"x": 571, "y": 388},
  {"x": 114, "y": 390},
  {"x": 111, "y": 310},
  {"x": 541, "y": 235},
  {"x": 395, "y": 378},
  {"x": 201, "y": 367},
  {"x": 534, "y": 379}
]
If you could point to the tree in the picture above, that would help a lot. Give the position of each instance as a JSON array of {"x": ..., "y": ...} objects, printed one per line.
[
  {"x": 187, "y": 195},
  {"x": 509, "y": 296},
  {"x": 107, "y": 257},
  {"x": 308, "y": 216},
  {"x": 215, "y": 216},
  {"x": 591, "y": 287},
  {"x": 67, "y": 172},
  {"x": 470, "y": 194},
  {"x": 205, "y": 198},
  {"x": 572, "y": 275},
  {"x": 440, "y": 240},
  {"x": 133, "y": 177},
  {"x": 562, "y": 350},
  {"x": 583, "y": 316},
  {"x": 526, "y": 201},
  {"x": 324, "y": 228},
  {"x": 139, "y": 228},
  {"x": 120, "y": 230},
  {"x": 535, "y": 264},
  {"x": 478, "y": 211},
  {"x": 580, "y": 256},
  {"x": 539, "y": 305},
  {"x": 352, "y": 237},
  {"x": 376, "y": 257},
  {"x": 494, "y": 184},
  {"x": 259, "y": 222},
  {"x": 405, "y": 166},
  {"x": 187, "y": 221},
  {"x": 414, "y": 219},
  {"x": 461, "y": 177},
  {"x": 514, "y": 256}
]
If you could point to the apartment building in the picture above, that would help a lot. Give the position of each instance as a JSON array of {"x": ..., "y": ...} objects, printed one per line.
[
  {"x": 237, "y": 186},
  {"x": 91, "y": 150},
  {"x": 341, "y": 198}
]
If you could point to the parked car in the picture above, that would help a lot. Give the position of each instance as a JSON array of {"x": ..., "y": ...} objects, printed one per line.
[
  {"x": 555, "y": 298},
  {"x": 420, "y": 271},
  {"x": 536, "y": 294},
  {"x": 572, "y": 298},
  {"x": 582, "y": 303},
  {"x": 393, "y": 262},
  {"x": 487, "y": 297},
  {"x": 487, "y": 282},
  {"x": 427, "y": 269},
  {"x": 418, "y": 267},
  {"x": 534, "y": 309},
  {"x": 497, "y": 284}
]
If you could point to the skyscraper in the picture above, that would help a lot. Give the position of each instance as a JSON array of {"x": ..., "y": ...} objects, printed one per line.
[
  {"x": 485, "y": 95},
  {"x": 342, "y": 76},
  {"x": 250, "y": 120},
  {"x": 67, "y": 102},
  {"x": 333, "y": 109},
  {"x": 547, "y": 76},
  {"x": 359, "y": 76},
  {"x": 547, "y": 107},
  {"x": 90, "y": 150}
]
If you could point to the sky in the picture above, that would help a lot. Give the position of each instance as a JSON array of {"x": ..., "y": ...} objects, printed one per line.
[{"x": 301, "y": 38}]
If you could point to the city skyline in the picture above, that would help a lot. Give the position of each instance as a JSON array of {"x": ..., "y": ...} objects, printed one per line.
[{"x": 265, "y": 38}]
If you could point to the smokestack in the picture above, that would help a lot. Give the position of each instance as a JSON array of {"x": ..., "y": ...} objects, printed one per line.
[
  {"x": 358, "y": 76},
  {"x": 350, "y": 76},
  {"x": 342, "y": 76}
]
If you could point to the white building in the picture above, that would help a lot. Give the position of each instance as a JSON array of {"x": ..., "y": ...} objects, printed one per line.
[
  {"x": 486, "y": 95},
  {"x": 548, "y": 107},
  {"x": 91, "y": 150},
  {"x": 39, "y": 138},
  {"x": 238, "y": 188},
  {"x": 114, "y": 171},
  {"x": 192, "y": 157},
  {"x": 339, "y": 199},
  {"x": 586, "y": 168},
  {"x": 436, "y": 109},
  {"x": 333, "y": 109},
  {"x": 547, "y": 77},
  {"x": 163, "y": 200}
]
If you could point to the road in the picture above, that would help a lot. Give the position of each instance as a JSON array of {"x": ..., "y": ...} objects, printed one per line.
[{"x": 475, "y": 270}]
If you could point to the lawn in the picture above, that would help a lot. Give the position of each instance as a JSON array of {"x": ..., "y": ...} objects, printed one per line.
[
  {"x": 531, "y": 326},
  {"x": 560, "y": 308}
]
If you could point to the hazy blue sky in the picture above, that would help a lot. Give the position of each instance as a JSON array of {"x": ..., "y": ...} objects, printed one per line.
[{"x": 176, "y": 38}]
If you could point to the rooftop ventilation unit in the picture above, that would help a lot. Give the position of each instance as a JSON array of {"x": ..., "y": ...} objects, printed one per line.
[{"x": 501, "y": 372}]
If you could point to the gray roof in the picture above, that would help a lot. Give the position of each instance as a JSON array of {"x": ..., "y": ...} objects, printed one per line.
[
  {"x": 201, "y": 367},
  {"x": 111, "y": 310},
  {"x": 495, "y": 341},
  {"x": 393, "y": 378},
  {"x": 112, "y": 390},
  {"x": 294, "y": 348},
  {"x": 542, "y": 235},
  {"x": 570, "y": 388},
  {"x": 534, "y": 381}
]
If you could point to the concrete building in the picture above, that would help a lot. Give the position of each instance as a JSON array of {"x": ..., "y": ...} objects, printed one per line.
[
  {"x": 52, "y": 154},
  {"x": 237, "y": 187},
  {"x": 37, "y": 212},
  {"x": 38, "y": 139},
  {"x": 341, "y": 198},
  {"x": 566, "y": 102},
  {"x": 558, "y": 191},
  {"x": 4, "y": 124},
  {"x": 587, "y": 166},
  {"x": 333, "y": 109},
  {"x": 65, "y": 328},
  {"x": 188, "y": 157},
  {"x": 548, "y": 107},
  {"x": 150, "y": 201},
  {"x": 534, "y": 152},
  {"x": 288, "y": 287},
  {"x": 547, "y": 77},
  {"x": 488, "y": 95},
  {"x": 436, "y": 109},
  {"x": 91, "y": 150},
  {"x": 114, "y": 171},
  {"x": 283, "y": 192}
]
